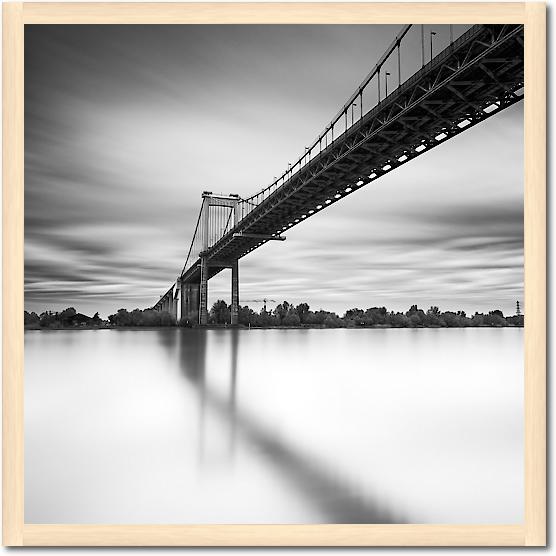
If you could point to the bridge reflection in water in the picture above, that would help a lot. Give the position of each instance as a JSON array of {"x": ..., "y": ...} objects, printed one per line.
[
  {"x": 334, "y": 497},
  {"x": 274, "y": 426}
]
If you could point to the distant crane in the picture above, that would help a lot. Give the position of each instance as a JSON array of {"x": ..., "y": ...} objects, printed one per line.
[{"x": 260, "y": 301}]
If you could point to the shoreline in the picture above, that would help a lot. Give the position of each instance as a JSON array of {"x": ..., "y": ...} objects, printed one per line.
[{"x": 243, "y": 327}]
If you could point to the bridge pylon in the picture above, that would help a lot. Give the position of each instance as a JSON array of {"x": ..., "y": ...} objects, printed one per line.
[
  {"x": 218, "y": 215},
  {"x": 203, "y": 292},
  {"x": 235, "y": 293}
]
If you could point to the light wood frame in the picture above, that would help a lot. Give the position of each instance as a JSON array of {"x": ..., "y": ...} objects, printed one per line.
[{"x": 532, "y": 532}]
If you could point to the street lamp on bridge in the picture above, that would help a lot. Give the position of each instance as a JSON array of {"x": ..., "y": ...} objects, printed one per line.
[{"x": 432, "y": 35}]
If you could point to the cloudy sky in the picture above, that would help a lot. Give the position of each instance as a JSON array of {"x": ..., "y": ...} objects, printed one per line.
[{"x": 125, "y": 126}]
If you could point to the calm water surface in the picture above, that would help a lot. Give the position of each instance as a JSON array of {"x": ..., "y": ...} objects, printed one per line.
[{"x": 274, "y": 426}]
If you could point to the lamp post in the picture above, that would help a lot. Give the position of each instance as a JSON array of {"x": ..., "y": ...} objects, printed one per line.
[
  {"x": 386, "y": 76},
  {"x": 432, "y": 35},
  {"x": 352, "y": 107}
]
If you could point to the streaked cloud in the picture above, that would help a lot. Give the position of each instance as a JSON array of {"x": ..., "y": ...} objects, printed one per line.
[{"x": 126, "y": 126}]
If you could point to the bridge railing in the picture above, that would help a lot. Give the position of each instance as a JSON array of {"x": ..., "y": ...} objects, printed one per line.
[{"x": 413, "y": 48}]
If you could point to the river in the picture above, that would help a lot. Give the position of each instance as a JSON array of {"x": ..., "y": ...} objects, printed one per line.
[{"x": 274, "y": 426}]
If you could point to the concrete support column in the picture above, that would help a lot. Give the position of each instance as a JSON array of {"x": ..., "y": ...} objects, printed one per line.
[
  {"x": 235, "y": 292},
  {"x": 183, "y": 298},
  {"x": 194, "y": 302},
  {"x": 173, "y": 306},
  {"x": 203, "y": 293},
  {"x": 189, "y": 305},
  {"x": 189, "y": 300},
  {"x": 177, "y": 301}
]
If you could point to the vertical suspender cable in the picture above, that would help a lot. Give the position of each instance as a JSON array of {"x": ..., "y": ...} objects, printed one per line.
[
  {"x": 423, "y": 45},
  {"x": 399, "y": 67}
]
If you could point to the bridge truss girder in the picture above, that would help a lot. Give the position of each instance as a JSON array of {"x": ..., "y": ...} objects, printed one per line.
[{"x": 446, "y": 97}]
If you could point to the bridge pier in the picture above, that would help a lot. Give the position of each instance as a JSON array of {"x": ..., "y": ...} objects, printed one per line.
[
  {"x": 203, "y": 293},
  {"x": 235, "y": 293},
  {"x": 176, "y": 309},
  {"x": 189, "y": 300},
  {"x": 173, "y": 306}
]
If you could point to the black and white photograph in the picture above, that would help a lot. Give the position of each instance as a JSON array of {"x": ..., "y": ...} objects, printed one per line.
[{"x": 274, "y": 274}]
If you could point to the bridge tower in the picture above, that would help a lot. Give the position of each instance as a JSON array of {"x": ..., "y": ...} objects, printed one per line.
[
  {"x": 211, "y": 232},
  {"x": 219, "y": 214}
]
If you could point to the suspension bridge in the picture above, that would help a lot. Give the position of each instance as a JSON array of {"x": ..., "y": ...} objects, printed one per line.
[{"x": 431, "y": 99}]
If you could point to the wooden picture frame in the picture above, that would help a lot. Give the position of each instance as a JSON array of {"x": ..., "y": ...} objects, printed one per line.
[{"x": 531, "y": 533}]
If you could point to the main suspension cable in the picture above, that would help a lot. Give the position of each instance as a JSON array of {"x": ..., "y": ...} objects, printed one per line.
[{"x": 192, "y": 241}]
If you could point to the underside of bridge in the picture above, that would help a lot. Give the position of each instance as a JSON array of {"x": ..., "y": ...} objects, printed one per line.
[
  {"x": 188, "y": 299},
  {"x": 477, "y": 76}
]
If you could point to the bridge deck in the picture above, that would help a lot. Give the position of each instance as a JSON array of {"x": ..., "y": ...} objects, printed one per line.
[{"x": 480, "y": 74}]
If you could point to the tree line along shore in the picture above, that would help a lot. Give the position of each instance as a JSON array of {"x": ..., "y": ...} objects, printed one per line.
[{"x": 285, "y": 315}]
